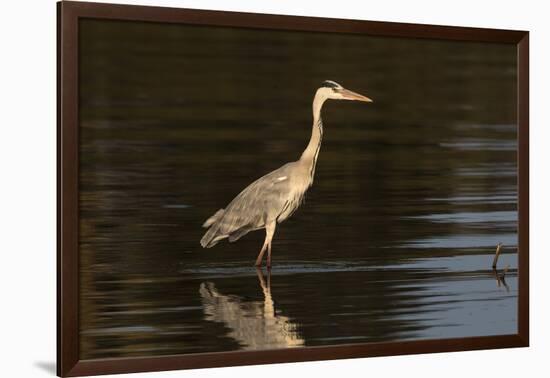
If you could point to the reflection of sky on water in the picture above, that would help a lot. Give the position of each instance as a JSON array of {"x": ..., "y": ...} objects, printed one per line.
[
  {"x": 457, "y": 263},
  {"x": 493, "y": 200},
  {"x": 484, "y": 145},
  {"x": 460, "y": 309},
  {"x": 463, "y": 241},
  {"x": 471, "y": 217}
]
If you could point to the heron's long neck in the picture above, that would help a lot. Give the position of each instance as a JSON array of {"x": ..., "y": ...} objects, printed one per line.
[{"x": 309, "y": 156}]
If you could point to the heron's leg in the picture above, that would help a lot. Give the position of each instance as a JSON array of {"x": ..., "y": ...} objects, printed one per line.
[
  {"x": 268, "y": 265},
  {"x": 261, "y": 255},
  {"x": 270, "y": 231}
]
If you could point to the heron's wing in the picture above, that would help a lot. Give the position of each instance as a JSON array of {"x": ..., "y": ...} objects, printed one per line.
[
  {"x": 260, "y": 201},
  {"x": 237, "y": 234},
  {"x": 213, "y": 218}
]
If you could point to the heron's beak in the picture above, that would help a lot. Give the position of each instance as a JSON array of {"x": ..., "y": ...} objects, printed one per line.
[{"x": 349, "y": 95}]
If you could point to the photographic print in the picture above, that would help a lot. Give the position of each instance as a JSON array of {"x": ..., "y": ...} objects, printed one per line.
[{"x": 262, "y": 189}]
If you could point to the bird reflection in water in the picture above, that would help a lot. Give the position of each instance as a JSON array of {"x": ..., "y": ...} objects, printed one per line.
[{"x": 253, "y": 324}]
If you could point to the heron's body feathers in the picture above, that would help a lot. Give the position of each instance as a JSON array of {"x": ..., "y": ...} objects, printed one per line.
[{"x": 273, "y": 197}]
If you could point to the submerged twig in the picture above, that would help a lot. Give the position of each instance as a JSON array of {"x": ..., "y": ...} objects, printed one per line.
[
  {"x": 497, "y": 254},
  {"x": 501, "y": 278}
]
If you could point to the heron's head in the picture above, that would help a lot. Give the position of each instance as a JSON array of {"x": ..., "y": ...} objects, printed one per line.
[{"x": 332, "y": 90}]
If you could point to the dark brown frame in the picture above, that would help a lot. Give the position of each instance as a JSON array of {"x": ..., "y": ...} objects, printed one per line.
[{"x": 68, "y": 15}]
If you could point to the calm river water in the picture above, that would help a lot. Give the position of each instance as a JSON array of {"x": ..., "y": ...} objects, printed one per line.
[{"x": 394, "y": 241}]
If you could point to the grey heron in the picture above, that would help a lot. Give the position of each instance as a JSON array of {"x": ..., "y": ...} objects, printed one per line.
[{"x": 274, "y": 197}]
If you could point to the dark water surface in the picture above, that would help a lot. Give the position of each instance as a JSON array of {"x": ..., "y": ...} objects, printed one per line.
[{"x": 394, "y": 241}]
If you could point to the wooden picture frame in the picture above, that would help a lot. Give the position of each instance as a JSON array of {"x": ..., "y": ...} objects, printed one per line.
[{"x": 69, "y": 15}]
